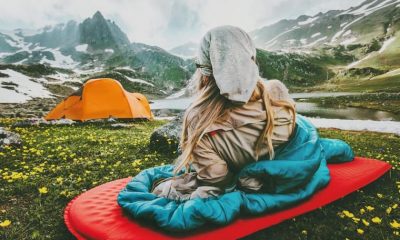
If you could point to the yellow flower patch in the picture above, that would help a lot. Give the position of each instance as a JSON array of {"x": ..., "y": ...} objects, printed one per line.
[
  {"x": 5, "y": 223},
  {"x": 43, "y": 190}
]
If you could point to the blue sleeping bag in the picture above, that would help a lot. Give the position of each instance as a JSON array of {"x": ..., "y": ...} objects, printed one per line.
[{"x": 298, "y": 170}]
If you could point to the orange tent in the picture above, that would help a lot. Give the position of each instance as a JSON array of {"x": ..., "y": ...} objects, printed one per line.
[{"x": 102, "y": 98}]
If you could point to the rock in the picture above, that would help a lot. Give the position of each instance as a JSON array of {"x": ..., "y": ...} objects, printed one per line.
[
  {"x": 41, "y": 121},
  {"x": 120, "y": 125},
  {"x": 111, "y": 120},
  {"x": 9, "y": 138},
  {"x": 166, "y": 138},
  {"x": 31, "y": 122},
  {"x": 62, "y": 122}
]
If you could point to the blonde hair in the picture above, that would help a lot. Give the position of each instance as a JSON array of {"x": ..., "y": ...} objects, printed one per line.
[{"x": 210, "y": 106}]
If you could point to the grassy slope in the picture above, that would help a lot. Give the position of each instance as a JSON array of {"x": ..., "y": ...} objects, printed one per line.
[
  {"x": 68, "y": 160},
  {"x": 388, "y": 59}
]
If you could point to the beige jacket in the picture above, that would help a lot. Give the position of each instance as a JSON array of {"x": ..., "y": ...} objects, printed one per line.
[{"x": 227, "y": 148}]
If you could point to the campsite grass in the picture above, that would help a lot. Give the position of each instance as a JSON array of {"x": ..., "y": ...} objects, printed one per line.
[{"x": 56, "y": 163}]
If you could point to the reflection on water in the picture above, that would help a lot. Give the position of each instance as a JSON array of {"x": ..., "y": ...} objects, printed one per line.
[
  {"x": 322, "y": 94},
  {"x": 316, "y": 110},
  {"x": 305, "y": 108}
]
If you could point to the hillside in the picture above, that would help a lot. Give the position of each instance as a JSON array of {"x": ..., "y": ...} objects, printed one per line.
[{"x": 362, "y": 42}]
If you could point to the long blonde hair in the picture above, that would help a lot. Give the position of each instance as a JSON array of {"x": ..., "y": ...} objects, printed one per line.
[{"x": 210, "y": 106}]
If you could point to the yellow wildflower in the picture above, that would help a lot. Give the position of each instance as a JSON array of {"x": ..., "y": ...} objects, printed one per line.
[
  {"x": 376, "y": 220},
  {"x": 395, "y": 206},
  {"x": 348, "y": 214},
  {"x": 43, "y": 190},
  {"x": 369, "y": 208},
  {"x": 362, "y": 210},
  {"x": 304, "y": 232},
  {"x": 365, "y": 222},
  {"x": 360, "y": 231},
  {"x": 394, "y": 224},
  {"x": 379, "y": 195},
  {"x": 5, "y": 223},
  {"x": 388, "y": 210}
]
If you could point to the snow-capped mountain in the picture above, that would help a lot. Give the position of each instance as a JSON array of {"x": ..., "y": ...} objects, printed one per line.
[
  {"x": 68, "y": 45},
  {"x": 357, "y": 48},
  {"x": 96, "y": 42},
  {"x": 96, "y": 47},
  {"x": 373, "y": 19}
]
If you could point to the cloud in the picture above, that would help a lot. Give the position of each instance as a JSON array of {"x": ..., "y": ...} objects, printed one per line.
[{"x": 160, "y": 22}]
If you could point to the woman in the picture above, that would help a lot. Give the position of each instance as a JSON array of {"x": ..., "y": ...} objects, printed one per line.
[{"x": 236, "y": 119}]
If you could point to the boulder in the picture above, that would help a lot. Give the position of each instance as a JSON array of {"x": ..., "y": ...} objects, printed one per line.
[
  {"x": 9, "y": 138},
  {"x": 166, "y": 138}
]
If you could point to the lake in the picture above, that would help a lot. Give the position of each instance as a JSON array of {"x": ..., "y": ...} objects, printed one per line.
[{"x": 305, "y": 108}]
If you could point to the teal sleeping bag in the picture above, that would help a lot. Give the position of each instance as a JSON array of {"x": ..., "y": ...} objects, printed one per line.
[{"x": 298, "y": 170}]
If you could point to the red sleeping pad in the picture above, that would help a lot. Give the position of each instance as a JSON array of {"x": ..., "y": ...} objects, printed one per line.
[{"x": 95, "y": 214}]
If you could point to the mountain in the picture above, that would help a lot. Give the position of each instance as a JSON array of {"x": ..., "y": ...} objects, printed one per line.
[
  {"x": 96, "y": 47},
  {"x": 357, "y": 49},
  {"x": 373, "y": 19},
  {"x": 187, "y": 50},
  {"x": 345, "y": 50},
  {"x": 100, "y": 33}
]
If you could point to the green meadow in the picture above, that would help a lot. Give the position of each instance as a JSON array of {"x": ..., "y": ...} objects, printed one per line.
[{"x": 57, "y": 163}]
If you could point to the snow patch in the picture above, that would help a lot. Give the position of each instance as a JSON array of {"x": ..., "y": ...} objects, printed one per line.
[
  {"x": 82, "y": 48},
  {"x": 61, "y": 60},
  {"x": 11, "y": 42},
  {"x": 308, "y": 21},
  {"x": 359, "y": 61},
  {"x": 139, "y": 81},
  {"x": 316, "y": 41},
  {"x": 274, "y": 40},
  {"x": 348, "y": 32},
  {"x": 109, "y": 50},
  {"x": 348, "y": 41},
  {"x": 315, "y": 35},
  {"x": 291, "y": 41},
  {"x": 62, "y": 77},
  {"x": 362, "y": 9},
  {"x": 358, "y": 125},
  {"x": 26, "y": 89},
  {"x": 386, "y": 44}
]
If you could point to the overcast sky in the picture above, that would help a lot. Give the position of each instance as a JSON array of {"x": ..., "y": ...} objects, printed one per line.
[{"x": 165, "y": 23}]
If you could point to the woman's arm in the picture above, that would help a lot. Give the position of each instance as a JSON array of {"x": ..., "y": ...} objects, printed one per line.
[{"x": 211, "y": 169}]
